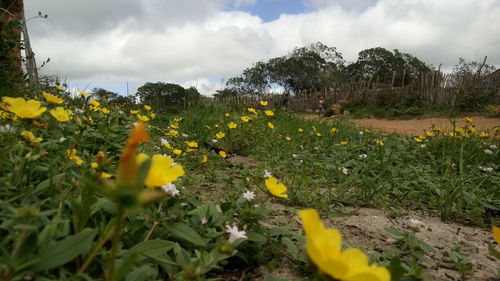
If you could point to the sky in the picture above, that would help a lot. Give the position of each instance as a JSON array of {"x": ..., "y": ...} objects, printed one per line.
[{"x": 202, "y": 43}]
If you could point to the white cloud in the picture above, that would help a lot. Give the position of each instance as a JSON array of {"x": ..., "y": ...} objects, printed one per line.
[{"x": 106, "y": 42}]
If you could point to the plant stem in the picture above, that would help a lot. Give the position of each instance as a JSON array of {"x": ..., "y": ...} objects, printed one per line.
[{"x": 115, "y": 242}]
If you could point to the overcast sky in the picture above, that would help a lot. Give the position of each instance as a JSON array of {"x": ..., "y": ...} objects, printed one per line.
[{"x": 105, "y": 43}]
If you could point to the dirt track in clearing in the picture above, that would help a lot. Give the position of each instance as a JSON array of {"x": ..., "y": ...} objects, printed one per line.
[{"x": 416, "y": 126}]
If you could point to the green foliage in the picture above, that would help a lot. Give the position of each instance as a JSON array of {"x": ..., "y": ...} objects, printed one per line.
[{"x": 161, "y": 95}]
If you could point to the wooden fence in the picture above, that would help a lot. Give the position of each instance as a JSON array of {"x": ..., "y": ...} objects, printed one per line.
[{"x": 432, "y": 89}]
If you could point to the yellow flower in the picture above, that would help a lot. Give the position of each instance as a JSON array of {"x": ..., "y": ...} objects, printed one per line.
[
  {"x": 379, "y": 142},
  {"x": 204, "y": 159},
  {"x": 496, "y": 234},
  {"x": 288, "y": 138},
  {"x": 269, "y": 113},
  {"x": 270, "y": 125},
  {"x": 29, "y": 136},
  {"x": 459, "y": 130},
  {"x": 333, "y": 131},
  {"x": 61, "y": 114},
  {"x": 314, "y": 128},
  {"x": 324, "y": 248},
  {"x": 147, "y": 107},
  {"x": 300, "y": 130},
  {"x": 25, "y": 109},
  {"x": 245, "y": 118},
  {"x": 275, "y": 187},
  {"x": 232, "y": 125},
  {"x": 83, "y": 93},
  {"x": 94, "y": 102},
  {"x": 429, "y": 133},
  {"x": 263, "y": 103},
  {"x": 484, "y": 135},
  {"x": 192, "y": 144},
  {"x": 173, "y": 133},
  {"x": 177, "y": 151},
  {"x": 471, "y": 129},
  {"x": 468, "y": 119},
  {"x": 252, "y": 110},
  {"x": 436, "y": 129},
  {"x": 417, "y": 139},
  {"x": 216, "y": 125},
  {"x": 127, "y": 170},
  {"x": 152, "y": 115},
  {"x": 94, "y": 165},
  {"x": 220, "y": 135},
  {"x": 72, "y": 156},
  {"x": 134, "y": 111},
  {"x": 59, "y": 88},
  {"x": 222, "y": 154},
  {"x": 105, "y": 175},
  {"x": 169, "y": 146},
  {"x": 52, "y": 99},
  {"x": 227, "y": 114},
  {"x": 343, "y": 142},
  {"x": 318, "y": 134},
  {"x": 174, "y": 126},
  {"x": 163, "y": 170},
  {"x": 142, "y": 118},
  {"x": 104, "y": 110}
]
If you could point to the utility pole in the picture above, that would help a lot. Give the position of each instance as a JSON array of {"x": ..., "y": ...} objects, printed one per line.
[
  {"x": 30, "y": 56},
  {"x": 127, "y": 88}
]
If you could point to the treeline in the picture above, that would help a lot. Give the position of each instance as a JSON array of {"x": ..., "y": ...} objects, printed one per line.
[{"x": 318, "y": 68}]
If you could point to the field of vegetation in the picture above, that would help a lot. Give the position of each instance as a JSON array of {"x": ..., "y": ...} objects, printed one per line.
[{"x": 96, "y": 191}]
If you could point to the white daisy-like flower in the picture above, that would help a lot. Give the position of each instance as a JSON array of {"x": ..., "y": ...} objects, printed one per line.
[
  {"x": 164, "y": 141},
  {"x": 267, "y": 174},
  {"x": 361, "y": 133},
  {"x": 294, "y": 155},
  {"x": 488, "y": 151},
  {"x": 170, "y": 189},
  {"x": 7, "y": 129},
  {"x": 301, "y": 147},
  {"x": 493, "y": 146},
  {"x": 62, "y": 139},
  {"x": 362, "y": 156},
  {"x": 235, "y": 233},
  {"x": 414, "y": 222},
  {"x": 78, "y": 110},
  {"x": 184, "y": 135},
  {"x": 249, "y": 195},
  {"x": 214, "y": 140},
  {"x": 203, "y": 220},
  {"x": 486, "y": 169},
  {"x": 423, "y": 145},
  {"x": 345, "y": 171}
]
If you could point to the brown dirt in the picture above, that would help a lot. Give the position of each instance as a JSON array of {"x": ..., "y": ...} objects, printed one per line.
[{"x": 414, "y": 126}]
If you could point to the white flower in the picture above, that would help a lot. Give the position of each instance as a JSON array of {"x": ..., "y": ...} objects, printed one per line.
[
  {"x": 361, "y": 133},
  {"x": 486, "y": 169},
  {"x": 362, "y": 156},
  {"x": 294, "y": 155},
  {"x": 7, "y": 129},
  {"x": 249, "y": 195},
  {"x": 214, "y": 140},
  {"x": 203, "y": 220},
  {"x": 78, "y": 110},
  {"x": 423, "y": 145},
  {"x": 301, "y": 147},
  {"x": 235, "y": 234},
  {"x": 170, "y": 189},
  {"x": 164, "y": 141},
  {"x": 184, "y": 135},
  {"x": 62, "y": 139},
  {"x": 493, "y": 146},
  {"x": 487, "y": 151},
  {"x": 414, "y": 222},
  {"x": 345, "y": 171},
  {"x": 267, "y": 174},
  {"x": 316, "y": 147}
]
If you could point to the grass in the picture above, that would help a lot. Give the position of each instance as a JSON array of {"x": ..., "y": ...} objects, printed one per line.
[{"x": 98, "y": 228}]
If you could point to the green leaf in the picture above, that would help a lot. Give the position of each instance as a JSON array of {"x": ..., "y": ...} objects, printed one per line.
[
  {"x": 60, "y": 252},
  {"x": 143, "y": 273},
  {"x": 153, "y": 248},
  {"x": 186, "y": 233},
  {"x": 256, "y": 237}
]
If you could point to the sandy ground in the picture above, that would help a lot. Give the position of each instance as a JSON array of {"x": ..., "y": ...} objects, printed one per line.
[{"x": 415, "y": 126}]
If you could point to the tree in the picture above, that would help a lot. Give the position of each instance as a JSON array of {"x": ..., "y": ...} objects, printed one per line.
[
  {"x": 162, "y": 94},
  {"x": 11, "y": 73},
  {"x": 101, "y": 93},
  {"x": 381, "y": 65}
]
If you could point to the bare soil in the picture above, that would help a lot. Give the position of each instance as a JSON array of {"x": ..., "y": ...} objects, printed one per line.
[{"x": 414, "y": 126}]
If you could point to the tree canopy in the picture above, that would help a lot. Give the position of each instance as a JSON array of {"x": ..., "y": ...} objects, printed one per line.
[{"x": 161, "y": 94}]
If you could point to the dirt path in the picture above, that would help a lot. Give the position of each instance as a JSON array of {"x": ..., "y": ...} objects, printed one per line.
[{"x": 415, "y": 126}]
